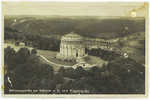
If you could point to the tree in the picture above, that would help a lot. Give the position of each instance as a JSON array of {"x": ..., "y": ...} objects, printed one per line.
[
  {"x": 79, "y": 72},
  {"x": 95, "y": 72},
  {"x": 22, "y": 55},
  {"x": 34, "y": 51},
  {"x": 61, "y": 71},
  {"x": 58, "y": 78},
  {"x": 9, "y": 58}
]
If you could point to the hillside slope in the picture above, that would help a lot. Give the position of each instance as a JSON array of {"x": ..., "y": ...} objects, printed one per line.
[
  {"x": 134, "y": 45},
  {"x": 86, "y": 26}
]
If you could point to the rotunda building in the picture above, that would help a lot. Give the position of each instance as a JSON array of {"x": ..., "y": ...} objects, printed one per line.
[{"x": 71, "y": 47}]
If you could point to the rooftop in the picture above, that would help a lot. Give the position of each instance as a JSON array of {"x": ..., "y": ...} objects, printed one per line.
[{"x": 72, "y": 36}]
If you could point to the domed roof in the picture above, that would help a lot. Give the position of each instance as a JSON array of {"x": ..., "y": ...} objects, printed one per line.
[{"x": 72, "y": 36}]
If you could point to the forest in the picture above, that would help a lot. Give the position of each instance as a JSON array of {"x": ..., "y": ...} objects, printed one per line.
[
  {"x": 84, "y": 26},
  {"x": 26, "y": 71}
]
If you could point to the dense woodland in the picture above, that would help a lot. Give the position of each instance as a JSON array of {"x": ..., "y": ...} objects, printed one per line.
[
  {"x": 85, "y": 26},
  {"x": 26, "y": 71},
  {"x": 36, "y": 41}
]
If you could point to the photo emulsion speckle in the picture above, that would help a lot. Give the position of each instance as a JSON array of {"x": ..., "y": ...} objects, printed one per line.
[{"x": 90, "y": 48}]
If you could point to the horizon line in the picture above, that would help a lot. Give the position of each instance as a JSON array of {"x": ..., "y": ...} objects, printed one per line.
[{"x": 72, "y": 15}]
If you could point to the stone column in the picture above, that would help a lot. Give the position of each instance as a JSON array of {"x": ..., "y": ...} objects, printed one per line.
[
  {"x": 67, "y": 52},
  {"x": 60, "y": 49},
  {"x": 79, "y": 52},
  {"x": 71, "y": 51},
  {"x": 64, "y": 50}
]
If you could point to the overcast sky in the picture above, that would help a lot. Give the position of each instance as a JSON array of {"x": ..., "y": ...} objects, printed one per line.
[{"x": 73, "y": 9}]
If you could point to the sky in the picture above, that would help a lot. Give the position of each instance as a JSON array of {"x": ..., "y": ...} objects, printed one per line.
[{"x": 74, "y": 9}]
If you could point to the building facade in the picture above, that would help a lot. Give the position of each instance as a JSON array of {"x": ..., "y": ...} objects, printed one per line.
[
  {"x": 94, "y": 43},
  {"x": 71, "y": 47}
]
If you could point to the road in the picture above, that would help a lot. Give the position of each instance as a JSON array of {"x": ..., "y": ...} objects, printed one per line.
[{"x": 52, "y": 63}]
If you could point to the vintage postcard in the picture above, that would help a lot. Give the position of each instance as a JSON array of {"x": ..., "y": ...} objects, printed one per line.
[{"x": 88, "y": 49}]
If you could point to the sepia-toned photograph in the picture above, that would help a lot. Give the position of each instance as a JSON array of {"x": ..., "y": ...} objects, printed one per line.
[{"x": 87, "y": 48}]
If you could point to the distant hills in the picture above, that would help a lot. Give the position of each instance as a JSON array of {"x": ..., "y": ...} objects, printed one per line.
[
  {"x": 132, "y": 41},
  {"x": 100, "y": 27}
]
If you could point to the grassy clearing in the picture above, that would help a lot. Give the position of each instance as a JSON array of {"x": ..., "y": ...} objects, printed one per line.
[{"x": 51, "y": 55}]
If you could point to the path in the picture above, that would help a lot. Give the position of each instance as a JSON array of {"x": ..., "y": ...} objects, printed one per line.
[
  {"x": 16, "y": 48},
  {"x": 50, "y": 62}
]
